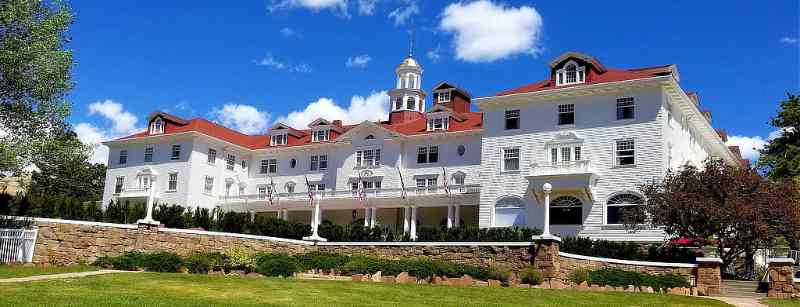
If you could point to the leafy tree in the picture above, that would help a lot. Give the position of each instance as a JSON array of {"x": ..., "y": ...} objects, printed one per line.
[
  {"x": 733, "y": 206},
  {"x": 35, "y": 74},
  {"x": 68, "y": 173},
  {"x": 781, "y": 157}
]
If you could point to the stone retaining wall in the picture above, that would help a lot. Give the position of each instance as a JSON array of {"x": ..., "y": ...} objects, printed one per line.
[{"x": 569, "y": 263}]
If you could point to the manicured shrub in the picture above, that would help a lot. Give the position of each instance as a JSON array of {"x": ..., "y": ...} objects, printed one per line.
[
  {"x": 578, "y": 276},
  {"x": 268, "y": 225},
  {"x": 128, "y": 261},
  {"x": 202, "y": 263},
  {"x": 501, "y": 275},
  {"x": 239, "y": 259},
  {"x": 170, "y": 216},
  {"x": 363, "y": 265},
  {"x": 530, "y": 275},
  {"x": 622, "y": 278},
  {"x": 164, "y": 262},
  {"x": 321, "y": 261},
  {"x": 626, "y": 250},
  {"x": 474, "y": 234},
  {"x": 277, "y": 265}
]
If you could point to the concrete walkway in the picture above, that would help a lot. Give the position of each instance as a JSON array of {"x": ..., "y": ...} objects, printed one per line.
[
  {"x": 60, "y": 276},
  {"x": 741, "y": 301}
]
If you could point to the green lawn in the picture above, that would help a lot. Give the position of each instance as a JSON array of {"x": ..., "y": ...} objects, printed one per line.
[
  {"x": 158, "y": 289},
  {"x": 13, "y": 271},
  {"x": 781, "y": 303}
]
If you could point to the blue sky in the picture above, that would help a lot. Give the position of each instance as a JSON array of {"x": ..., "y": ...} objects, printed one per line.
[{"x": 251, "y": 63}]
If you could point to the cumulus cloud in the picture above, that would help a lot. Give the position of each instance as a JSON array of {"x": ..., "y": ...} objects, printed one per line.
[
  {"x": 119, "y": 123},
  {"x": 789, "y": 40},
  {"x": 241, "y": 117},
  {"x": 373, "y": 107},
  {"x": 486, "y": 32},
  {"x": 339, "y": 6},
  {"x": 288, "y": 32},
  {"x": 271, "y": 62},
  {"x": 435, "y": 55},
  {"x": 366, "y": 7},
  {"x": 401, "y": 14},
  {"x": 359, "y": 61},
  {"x": 748, "y": 145}
]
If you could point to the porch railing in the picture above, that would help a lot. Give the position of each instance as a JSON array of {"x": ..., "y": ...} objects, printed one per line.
[
  {"x": 369, "y": 193},
  {"x": 17, "y": 245},
  {"x": 560, "y": 168}
]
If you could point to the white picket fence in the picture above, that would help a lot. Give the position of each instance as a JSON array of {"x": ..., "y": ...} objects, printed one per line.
[{"x": 16, "y": 245}]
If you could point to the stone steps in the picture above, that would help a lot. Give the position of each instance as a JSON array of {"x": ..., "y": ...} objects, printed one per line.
[{"x": 741, "y": 288}]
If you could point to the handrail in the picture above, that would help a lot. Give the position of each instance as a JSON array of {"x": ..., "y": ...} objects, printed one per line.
[{"x": 369, "y": 193}]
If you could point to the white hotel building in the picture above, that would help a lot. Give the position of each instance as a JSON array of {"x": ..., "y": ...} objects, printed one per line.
[{"x": 594, "y": 133}]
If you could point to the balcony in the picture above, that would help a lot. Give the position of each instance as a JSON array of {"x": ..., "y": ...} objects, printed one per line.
[
  {"x": 569, "y": 176},
  {"x": 134, "y": 192},
  {"x": 390, "y": 194}
]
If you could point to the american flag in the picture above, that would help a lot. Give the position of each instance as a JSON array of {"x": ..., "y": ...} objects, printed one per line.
[
  {"x": 271, "y": 191},
  {"x": 362, "y": 195},
  {"x": 402, "y": 185},
  {"x": 310, "y": 193},
  {"x": 446, "y": 186}
]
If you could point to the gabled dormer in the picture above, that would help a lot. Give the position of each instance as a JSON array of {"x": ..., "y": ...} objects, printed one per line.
[
  {"x": 451, "y": 96},
  {"x": 323, "y": 130},
  {"x": 574, "y": 68},
  {"x": 280, "y": 134},
  {"x": 439, "y": 117},
  {"x": 158, "y": 122}
]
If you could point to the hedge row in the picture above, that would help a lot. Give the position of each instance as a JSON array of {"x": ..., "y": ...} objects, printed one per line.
[
  {"x": 626, "y": 250},
  {"x": 622, "y": 278}
]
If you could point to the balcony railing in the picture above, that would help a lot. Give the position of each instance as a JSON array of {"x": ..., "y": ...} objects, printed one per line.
[
  {"x": 135, "y": 192},
  {"x": 369, "y": 193},
  {"x": 560, "y": 168}
]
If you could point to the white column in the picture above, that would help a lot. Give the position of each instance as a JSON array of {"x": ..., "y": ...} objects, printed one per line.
[
  {"x": 457, "y": 216},
  {"x": 449, "y": 216},
  {"x": 279, "y": 214},
  {"x": 151, "y": 197},
  {"x": 366, "y": 217},
  {"x": 406, "y": 217},
  {"x": 546, "y": 188},
  {"x": 285, "y": 214},
  {"x": 373, "y": 217},
  {"x": 413, "y": 230}
]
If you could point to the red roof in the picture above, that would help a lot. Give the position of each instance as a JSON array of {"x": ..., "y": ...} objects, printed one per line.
[
  {"x": 472, "y": 121},
  {"x": 610, "y": 75}
]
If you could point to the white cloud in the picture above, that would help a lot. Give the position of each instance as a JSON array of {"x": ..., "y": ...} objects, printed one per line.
[
  {"x": 789, "y": 40},
  {"x": 360, "y": 61},
  {"x": 92, "y": 136},
  {"x": 289, "y": 32},
  {"x": 373, "y": 107},
  {"x": 366, "y": 7},
  {"x": 123, "y": 121},
  {"x": 273, "y": 63},
  {"x": 401, "y": 14},
  {"x": 485, "y": 32},
  {"x": 435, "y": 54},
  {"x": 339, "y": 6},
  {"x": 243, "y": 118},
  {"x": 749, "y": 146}
]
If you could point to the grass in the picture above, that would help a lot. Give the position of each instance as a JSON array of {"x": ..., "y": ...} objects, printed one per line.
[
  {"x": 771, "y": 302},
  {"x": 14, "y": 271},
  {"x": 161, "y": 289}
]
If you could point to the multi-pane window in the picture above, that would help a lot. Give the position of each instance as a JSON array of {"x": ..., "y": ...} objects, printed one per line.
[
  {"x": 624, "y": 153},
  {"x": 444, "y": 97},
  {"x": 617, "y": 205},
  {"x": 262, "y": 192},
  {"x": 319, "y": 136},
  {"x": 512, "y": 119},
  {"x": 319, "y": 162},
  {"x": 148, "y": 154},
  {"x": 566, "y": 114},
  {"x": 437, "y": 124},
  {"x": 176, "y": 152},
  {"x": 566, "y": 210},
  {"x": 230, "y": 161},
  {"x": 172, "y": 183},
  {"x": 367, "y": 158},
  {"x": 458, "y": 180},
  {"x": 118, "y": 185},
  {"x": 212, "y": 156},
  {"x": 427, "y": 184},
  {"x": 123, "y": 157},
  {"x": 157, "y": 127},
  {"x": 278, "y": 139},
  {"x": 269, "y": 166},
  {"x": 428, "y": 154},
  {"x": 511, "y": 159},
  {"x": 208, "y": 185},
  {"x": 565, "y": 154},
  {"x": 316, "y": 187},
  {"x": 410, "y": 103},
  {"x": 625, "y": 108},
  {"x": 398, "y": 103},
  {"x": 571, "y": 74}
]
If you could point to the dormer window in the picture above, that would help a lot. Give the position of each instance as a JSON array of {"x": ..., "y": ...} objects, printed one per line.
[
  {"x": 157, "y": 127},
  {"x": 438, "y": 124},
  {"x": 320, "y": 135},
  {"x": 571, "y": 74},
  {"x": 278, "y": 139},
  {"x": 444, "y": 97}
]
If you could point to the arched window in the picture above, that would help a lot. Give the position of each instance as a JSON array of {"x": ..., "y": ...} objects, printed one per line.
[
  {"x": 509, "y": 211},
  {"x": 410, "y": 103},
  {"x": 410, "y": 83},
  {"x": 616, "y": 206},
  {"x": 566, "y": 210},
  {"x": 398, "y": 103},
  {"x": 157, "y": 126},
  {"x": 571, "y": 74},
  {"x": 458, "y": 179}
]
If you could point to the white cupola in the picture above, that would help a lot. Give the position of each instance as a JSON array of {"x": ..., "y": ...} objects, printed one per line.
[{"x": 407, "y": 94}]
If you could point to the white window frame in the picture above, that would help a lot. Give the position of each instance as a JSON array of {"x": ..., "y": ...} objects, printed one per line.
[
  {"x": 362, "y": 160},
  {"x": 148, "y": 154},
  {"x": 157, "y": 127},
  {"x": 119, "y": 185},
  {"x": 512, "y": 115},
  {"x": 208, "y": 185},
  {"x": 262, "y": 192},
  {"x": 444, "y": 96},
  {"x": 617, "y": 150},
  {"x": 567, "y": 108},
  {"x": 272, "y": 166},
  {"x": 517, "y": 206},
  {"x": 279, "y": 139},
  {"x": 230, "y": 162},
  {"x": 562, "y": 74},
  {"x": 123, "y": 157},
  {"x": 413, "y": 101},
  {"x": 626, "y": 103},
  {"x": 556, "y": 205},
  {"x": 506, "y": 152},
  {"x": 172, "y": 182},
  {"x": 176, "y": 152},
  {"x": 438, "y": 124},
  {"x": 429, "y": 152},
  {"x": 609, "y": 204},
  {"x": 211, "y": 157},
  {"x": 320, "y": 135}
]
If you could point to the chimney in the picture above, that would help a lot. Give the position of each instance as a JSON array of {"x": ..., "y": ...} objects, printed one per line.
[{"x": 337, "y": 123}]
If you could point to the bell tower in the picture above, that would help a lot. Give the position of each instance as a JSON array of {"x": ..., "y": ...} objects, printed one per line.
[{"x": 407, "y": 98}]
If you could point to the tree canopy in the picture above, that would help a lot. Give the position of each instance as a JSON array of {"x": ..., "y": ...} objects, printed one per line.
[
  {"x": 780, "y": 158},
  {"x": 35, "y": 75}
]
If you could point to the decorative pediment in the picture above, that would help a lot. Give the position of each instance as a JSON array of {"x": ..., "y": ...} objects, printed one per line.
[
  {"x": 366, "y": 127},
  {"x": 578, "y": 57},
  {"x": 321, "y": 123},
  {"x": 439, "y": 110},
  {"x": 565, "y": 138},
  {"x": 281, "y": 128}
]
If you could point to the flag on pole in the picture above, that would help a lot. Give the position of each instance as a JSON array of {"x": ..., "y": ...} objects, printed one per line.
[
  {"x": 271, "y": 191},
  {"x": 446, "y": 186},
  {"x": 402, "y": 184},
  {"x": 310, "y": 193},
  {"x": 362, "y": 195}
]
